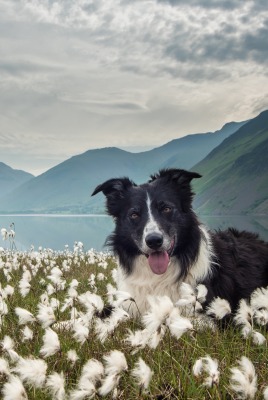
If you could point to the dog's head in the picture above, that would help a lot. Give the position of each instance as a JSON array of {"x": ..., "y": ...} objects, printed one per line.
[{"x": 153, "y": 219}]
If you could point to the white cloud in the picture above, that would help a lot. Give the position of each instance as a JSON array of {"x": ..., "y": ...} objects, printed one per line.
[{"x": 83, "y": 74}]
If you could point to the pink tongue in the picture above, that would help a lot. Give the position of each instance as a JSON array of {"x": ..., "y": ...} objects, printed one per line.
[{"x": 158, "y": 262}]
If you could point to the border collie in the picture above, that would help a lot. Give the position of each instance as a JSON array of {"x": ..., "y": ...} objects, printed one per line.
[{"x": 160, "y": 243}]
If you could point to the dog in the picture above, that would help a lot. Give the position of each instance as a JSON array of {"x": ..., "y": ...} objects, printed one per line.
[{"x": 160, "y": 243}]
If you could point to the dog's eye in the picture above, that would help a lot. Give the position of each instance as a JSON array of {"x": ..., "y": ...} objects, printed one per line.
[
  {"x": 134, "y": 215},
  {"x": 166, "y": 209}
]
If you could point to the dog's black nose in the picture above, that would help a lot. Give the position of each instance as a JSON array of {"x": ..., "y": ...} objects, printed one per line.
[{"x": 154, "y": 240}]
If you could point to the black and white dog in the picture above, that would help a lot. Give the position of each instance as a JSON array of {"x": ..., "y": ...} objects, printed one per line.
[{"x": 160, "y": 243}]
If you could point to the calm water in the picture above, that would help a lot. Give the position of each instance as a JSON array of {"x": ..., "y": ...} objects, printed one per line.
[{"x": 56, "y": 231}]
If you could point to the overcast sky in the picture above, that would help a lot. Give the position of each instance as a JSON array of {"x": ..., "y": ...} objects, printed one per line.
[{"x": 82, "y": 74}]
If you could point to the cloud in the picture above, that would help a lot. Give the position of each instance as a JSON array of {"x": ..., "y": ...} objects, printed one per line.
[{"x": 79, "y": 74}]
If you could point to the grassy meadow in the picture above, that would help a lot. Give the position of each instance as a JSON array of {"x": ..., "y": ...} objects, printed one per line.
[{"x": 51, "y": 309}]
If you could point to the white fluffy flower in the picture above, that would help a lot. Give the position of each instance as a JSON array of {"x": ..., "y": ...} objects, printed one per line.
[
  {"x": 7, "y": 343},
  {"x": 14, "y": 389},
  {"x": 51, "y": 343},
  {"x": 27, "y": 334},
  {"x": 258, "y": 338},
  {"x": 109, "y": 383},
  {"x": 201, "y": 293},
  {"x": 265, "y": 393},
  {"x": 92, "y": 371},
  {"x": 25, "y": 316},
  {"x": 219, "y": 308},
  {"x": 160, "y": 308},
  {"x": 121, "y": 297},
  {"x": 115, "y": 362},
  {"x": 142, "y": 373},
  {"x": 4, "y": 367},
  {"x": 243, "y": 379},
  {"x": 55, "y": 384},
  {"x": 81, "y": 332},
  {"x": 24, "y": 287},
  {"x": 208, "y": 367},
  {"x": 72, "y": 356},
  {"x": 32, "y": 371},
  {"x": 89, "y": 299},
  {"x": 177, "y": 324},
  {"x": 187, "y": 295},
  {"x": 45, "y": 315},
  {"x": 244, "y": 314},
  {"x": 138, "y": 338},
  {"x": 259, "y": 299}
]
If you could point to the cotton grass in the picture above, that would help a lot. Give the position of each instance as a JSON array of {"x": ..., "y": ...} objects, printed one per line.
[{"x": 68, "y": 335}]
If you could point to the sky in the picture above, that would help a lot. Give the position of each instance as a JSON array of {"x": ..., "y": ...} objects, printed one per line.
[{"x": 83, "y": 74}]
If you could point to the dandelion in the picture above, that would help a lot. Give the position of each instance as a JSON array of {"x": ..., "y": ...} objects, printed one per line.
[
  {"x": 208, "y": 367},
  {"x": 32, "y": 371},
  {"x": 142, "y": 373},
  {"x": 243, "y": 379},
  {"x": 51, "y": 343},
  {"x": 55, "y": 384},
  {"x": 219, "y": 308},
  {"x": 25, "y": 316},
  {"x": 14, "y": 389}
]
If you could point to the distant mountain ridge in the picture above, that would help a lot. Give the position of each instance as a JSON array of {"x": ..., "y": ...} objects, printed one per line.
[
  {"x": 11, "y": 178},
  {"x": 66, "y": 188},
  {"x": 235, "y": 173}
]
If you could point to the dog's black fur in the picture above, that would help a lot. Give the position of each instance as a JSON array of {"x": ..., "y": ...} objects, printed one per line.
[{"x": 238, "y": 261}]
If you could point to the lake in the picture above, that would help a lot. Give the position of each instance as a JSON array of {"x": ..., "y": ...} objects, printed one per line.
[{"x": 56, "y": 231}]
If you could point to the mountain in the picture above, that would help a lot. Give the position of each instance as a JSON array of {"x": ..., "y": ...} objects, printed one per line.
[
  {"x": 235, "y": 173},
  {"x": 66, "y": 188},
  {"x": 11, "y": 178}
]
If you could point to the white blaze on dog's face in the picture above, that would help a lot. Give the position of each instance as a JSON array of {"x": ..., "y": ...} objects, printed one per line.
[
  {"x": 152, "y": 220},
  {"x": 156, "y": 244}
]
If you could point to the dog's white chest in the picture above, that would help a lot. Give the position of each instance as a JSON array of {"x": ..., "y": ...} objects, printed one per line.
[{"x": 143, "y": 283}]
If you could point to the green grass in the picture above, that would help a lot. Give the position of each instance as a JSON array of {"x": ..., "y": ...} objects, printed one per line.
[{"x": 171, "y": 361}]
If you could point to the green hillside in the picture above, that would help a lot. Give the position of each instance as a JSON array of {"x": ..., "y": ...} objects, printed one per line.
[
  {"x": 67, "y": 187},
  {"x": 235, "y": 174}
]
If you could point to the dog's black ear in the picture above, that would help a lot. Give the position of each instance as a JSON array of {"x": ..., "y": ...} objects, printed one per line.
[
  {"x": 178, "y": 175},
  {"x": 114, "y": 190},
  {"x": 182, "y": 180}
]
